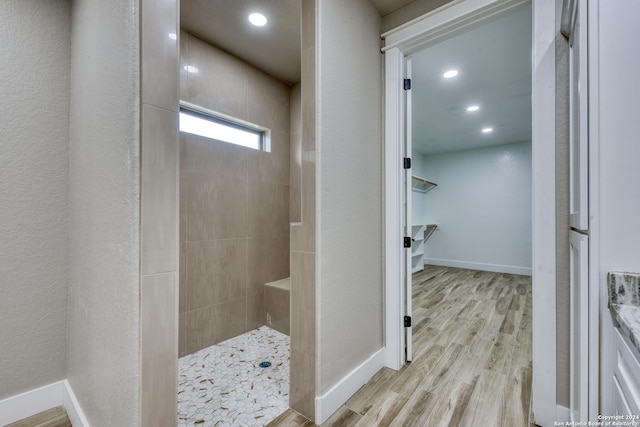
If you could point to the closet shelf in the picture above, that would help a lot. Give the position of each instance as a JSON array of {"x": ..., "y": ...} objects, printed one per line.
[{"x": 421, "y": 184}]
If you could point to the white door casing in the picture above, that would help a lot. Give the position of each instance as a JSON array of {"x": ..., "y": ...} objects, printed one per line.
[{"x": 407, "y": 273}]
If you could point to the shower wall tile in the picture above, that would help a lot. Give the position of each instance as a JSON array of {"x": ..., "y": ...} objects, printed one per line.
[
  {"x": 277, "y": 305},
  {"x": 303, "y": 302},
  {"x": 159, "y": 210},
  {"x": 256, "y": 313},
  {"x": 218, "y": 85},
  {"x": 268, "y": 101},
  {"x": 234, "y": 200},
  {"x": 216, "y": 207},
  {"x": 271, "y": 166},
  {"x": 216, "y": 272},
  {"x": 215, "y": 324},
  {"x": 295, "y": 154},
  {"x": 217, "y": 158},
  {"x": 182, "y": 275},
  {"x": 184, "y": 55},
  {"x": 302, "y": 386},
  {"x": 158, "y": 20},
  {"x": 182, "y": 335},
  {"x": 268, "y": 261},
  {"x": 268, "y": 209},
  {"x": 308, "y": 99},
  {"x": 159, "y": 347}
]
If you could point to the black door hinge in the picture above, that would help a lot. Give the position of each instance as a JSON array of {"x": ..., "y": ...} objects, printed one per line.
[
  {"x": 407, "y": 84},
  {"x": 407, "y": 242},
  {"x": 407, "y": 163},
  {"x": 407, "y": 321}
]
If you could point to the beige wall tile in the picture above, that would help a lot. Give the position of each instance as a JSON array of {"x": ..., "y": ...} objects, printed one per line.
[
  {"x": 308, "y": 100},
  {"x": 182, "y": 275},
  {"x": 308, "y": 24},
  {"x": 302, "y": 385},
  {"x": 208, "y": 156},
  {"x": 159, "y": 190},
  {"x": 216, "y": 207},
  {"x": 267, "y": 101},
  {"x": 268, "y": 260},
  {"x": 211, "y": 325},
  {"x": 216, "y": 272},
  {"x": 221, "y": 81},
  {"x": 159, "y": 342},
  {"x": 271, "y": 166},
  {"x": 303, "y": 302},
  {"x": 184, "y": 54},
  {"x": 268, "y": 209},
  {"x": 277, "y": 307},
  {"x": 182, "y": 336},
  {"x": 303, "y": 236},
  {"x": 295, "y": 154},
  {"x": 256, "y": 314},
  {"x": 159, "y": 19}
]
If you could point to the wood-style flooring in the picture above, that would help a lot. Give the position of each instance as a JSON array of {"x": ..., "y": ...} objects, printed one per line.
[
  {"x": 54, "y": 417},
  {"x": 472, "y": 358}
]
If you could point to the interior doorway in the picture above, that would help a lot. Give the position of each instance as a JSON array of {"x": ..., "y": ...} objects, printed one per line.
[{"x": 407, "y": 41}]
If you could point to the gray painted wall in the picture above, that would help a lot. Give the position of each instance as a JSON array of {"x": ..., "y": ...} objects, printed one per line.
[
  {"x": 349, "y": 191},
  {"x": 34, "y": 129},
  {"x": 104, "y": 214}
]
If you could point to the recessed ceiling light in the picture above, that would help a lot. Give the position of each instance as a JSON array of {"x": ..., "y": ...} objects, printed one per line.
[
  {"x": 257, "y": 19},
  {"x": 173, "y": 36},
  {"x": 472, "y": 108},
  {"x": 450, "y": 74},
  {"x": 191, "y": 69},
  {"x": 487, "y": 130}
]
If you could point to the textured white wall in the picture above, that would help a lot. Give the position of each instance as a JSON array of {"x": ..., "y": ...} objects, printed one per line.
[
  {"x": 483, "y": 205},
  {"x": 350, "y": 195},
  {"x": 34, "y": 132},
  {"x": 104, "y": 214}
]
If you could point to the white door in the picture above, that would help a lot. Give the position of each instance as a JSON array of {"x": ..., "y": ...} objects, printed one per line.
[
  {"x": 407, "y": 216},
  {"x": 579, "y": 128},
  {"x": 579, "y": 327}
]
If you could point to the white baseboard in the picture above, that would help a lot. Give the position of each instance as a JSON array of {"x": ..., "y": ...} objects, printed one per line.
[
  {"x": 497, "y": 268},
  {"x": 333, "y": 399},
  {"x": 33, "y": 402},
  {"x": 563, "y": 414},
  {"x": 74, "y": 411}
]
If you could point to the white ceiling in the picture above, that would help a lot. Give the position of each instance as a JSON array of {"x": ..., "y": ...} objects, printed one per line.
[
  {"x": 274, "y": 48},
  {"x": 494, "y": 64}
]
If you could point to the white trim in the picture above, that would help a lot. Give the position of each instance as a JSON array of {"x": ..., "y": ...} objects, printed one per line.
[
  {"x": 446, "y": 21},
  {"x": 33, "y": 402},
  {"x": 411, "y": 37},
  {"x": 333, "y": 399},
  {"x": 394, "y": 336},
  {"x": 544, "y": 212},
  {"x": 563, "y": 414},
  {"x": 525, "y": 271},
  {"x": 74, "y": 410}
]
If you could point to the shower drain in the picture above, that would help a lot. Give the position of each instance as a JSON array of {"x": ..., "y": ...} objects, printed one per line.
[{"x": 264, "y": 364}]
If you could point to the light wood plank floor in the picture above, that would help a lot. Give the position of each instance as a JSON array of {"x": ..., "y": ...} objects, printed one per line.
[
  {"x": 472, "y": 358},
  {"x": 54, "y": 417}
]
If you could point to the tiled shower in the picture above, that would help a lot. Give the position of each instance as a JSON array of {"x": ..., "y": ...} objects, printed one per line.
[{"x": 236, "y": 205}]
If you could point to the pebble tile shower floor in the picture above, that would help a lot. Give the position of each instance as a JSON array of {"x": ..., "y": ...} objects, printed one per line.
[{"x": 223, "y": 385}]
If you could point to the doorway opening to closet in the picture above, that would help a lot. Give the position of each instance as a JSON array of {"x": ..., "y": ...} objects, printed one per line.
[{"x": 466, "y": 208}]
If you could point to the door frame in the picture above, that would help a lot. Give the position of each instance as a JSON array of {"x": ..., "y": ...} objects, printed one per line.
[{"x": 411, "y": 37}]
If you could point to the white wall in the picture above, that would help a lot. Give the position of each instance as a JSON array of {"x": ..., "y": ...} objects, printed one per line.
[
  {"x": 483, "y": 206},
  {"x": 34, "y": 130},
  {"x": 349, "y": 188},
  {"x": 104, "y": 214}
]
